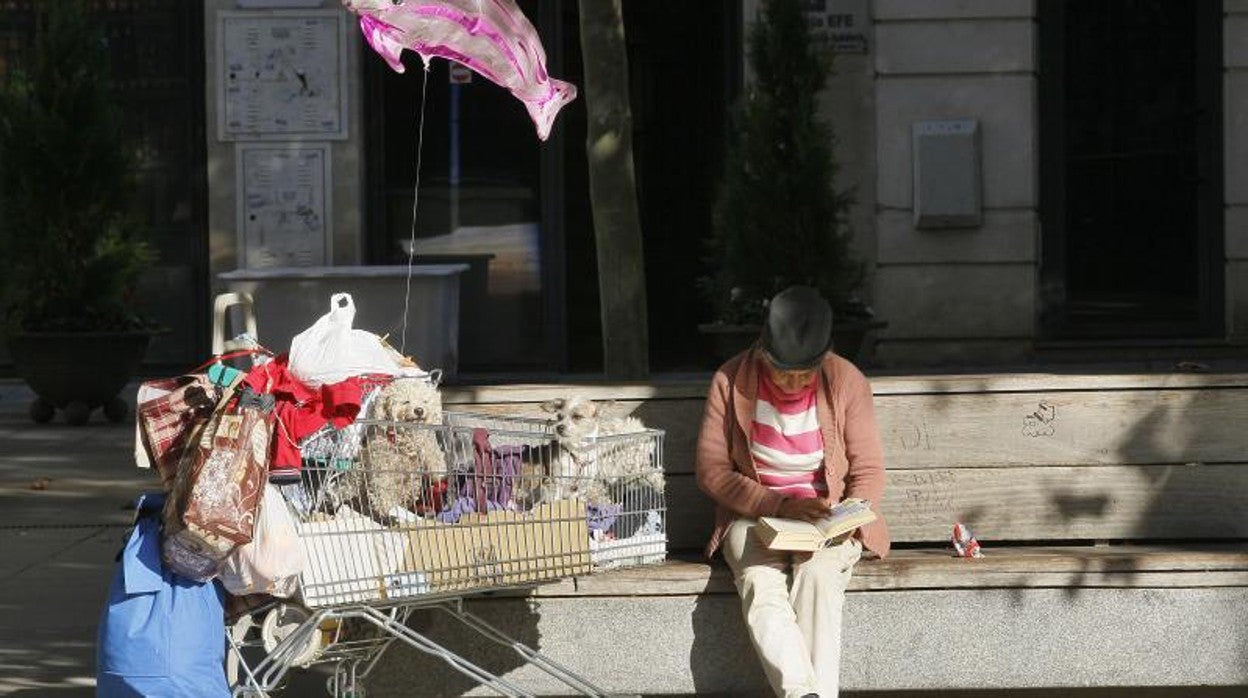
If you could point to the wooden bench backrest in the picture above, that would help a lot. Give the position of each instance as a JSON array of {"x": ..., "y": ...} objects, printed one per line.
[{"x": 1016, "y": 458}]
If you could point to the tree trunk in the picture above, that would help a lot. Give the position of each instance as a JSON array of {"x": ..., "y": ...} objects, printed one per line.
[{"x": 613, "y": 190}]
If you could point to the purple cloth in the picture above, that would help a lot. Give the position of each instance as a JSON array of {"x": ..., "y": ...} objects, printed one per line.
[
  {"x": 602, "y": 516},
  {"x": 505, "y": 463},
  {"x": 489, "y": 484},
  {"x": 461, "y": 506}
]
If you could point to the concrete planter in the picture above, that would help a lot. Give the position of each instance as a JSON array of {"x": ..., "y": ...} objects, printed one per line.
[
  {"x": 289, "y": 299},
  {"x": 77, "y": 371}
]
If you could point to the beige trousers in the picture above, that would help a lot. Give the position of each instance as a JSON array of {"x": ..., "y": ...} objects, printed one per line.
[{"x": 796, "y": 628}]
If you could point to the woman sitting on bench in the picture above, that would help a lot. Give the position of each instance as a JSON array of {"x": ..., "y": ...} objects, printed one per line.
[{"x": 789, "y": 430}]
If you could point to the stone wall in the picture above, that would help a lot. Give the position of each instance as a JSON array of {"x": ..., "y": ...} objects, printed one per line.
[
  {"x": 1235, "y": 130},
  {"x": 346, "y": 155},
  {"x": 967, "y": 294}
]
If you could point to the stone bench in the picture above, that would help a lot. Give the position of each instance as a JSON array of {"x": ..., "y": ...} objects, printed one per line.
[{"x": 1113, "y": 510}]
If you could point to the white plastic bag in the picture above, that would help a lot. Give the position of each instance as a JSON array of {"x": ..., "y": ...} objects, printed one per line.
[
  {"x": 272, "y": 562},
  {"x": 331, "y": 351}
]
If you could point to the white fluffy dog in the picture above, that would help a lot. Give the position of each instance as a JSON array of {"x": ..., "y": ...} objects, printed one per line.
[
  {"x": 586, "y": 461},
  {"x": 397, "y": 459}
]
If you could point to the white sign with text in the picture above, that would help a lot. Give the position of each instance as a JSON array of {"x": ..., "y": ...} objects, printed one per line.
[{"x": 284, "y": 193}]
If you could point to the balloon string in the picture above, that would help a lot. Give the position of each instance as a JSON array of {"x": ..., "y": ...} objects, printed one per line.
[{"x": 411, "y": 239}]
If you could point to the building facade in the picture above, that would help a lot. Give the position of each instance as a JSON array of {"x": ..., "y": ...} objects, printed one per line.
[
  {"x": 1109, "y": 147},
  {"x": 1111, "y": 151},
  {"x": 492, "y": 196},
  {"x": 1034, "y": 180}
]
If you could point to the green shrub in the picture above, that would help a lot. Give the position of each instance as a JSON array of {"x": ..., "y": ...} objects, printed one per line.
[
  {"x": 778, "y": 220},
  {"x": 71, "y": 245}
]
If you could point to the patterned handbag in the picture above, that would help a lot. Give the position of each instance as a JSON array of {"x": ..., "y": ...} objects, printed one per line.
[
  {"x": 212, "y": 509},
  {"x": 170, "y": 411}
]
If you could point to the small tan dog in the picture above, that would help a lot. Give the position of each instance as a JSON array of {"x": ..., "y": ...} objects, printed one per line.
[
  {"x": 397, "y": 459},
  {"x": 586, "y": 461}
]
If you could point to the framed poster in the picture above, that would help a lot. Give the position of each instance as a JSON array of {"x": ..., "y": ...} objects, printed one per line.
[
  {"x": 284, "y": 212},
  {"x": 281, "y": 75}
]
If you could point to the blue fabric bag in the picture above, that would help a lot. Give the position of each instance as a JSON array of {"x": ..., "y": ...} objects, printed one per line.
[{"x": 160, "y": 634}]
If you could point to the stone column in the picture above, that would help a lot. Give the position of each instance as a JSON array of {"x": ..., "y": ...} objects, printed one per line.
[
  {"x": 957, "y": 295},
  {"x": 1235, "y": 163},
  {"x": 346, "y": 155}
]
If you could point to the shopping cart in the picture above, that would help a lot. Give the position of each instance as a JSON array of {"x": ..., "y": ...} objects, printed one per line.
[{"x": 399, "y": 516}]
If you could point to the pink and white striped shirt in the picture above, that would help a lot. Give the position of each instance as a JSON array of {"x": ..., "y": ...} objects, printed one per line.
[{"x": 785, "y": 440}]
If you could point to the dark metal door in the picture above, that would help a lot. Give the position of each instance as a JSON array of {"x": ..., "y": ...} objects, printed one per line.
[{"x": 1131, "y": 180}]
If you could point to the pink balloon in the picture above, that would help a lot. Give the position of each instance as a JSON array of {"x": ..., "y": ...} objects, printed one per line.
[{"x": 492, "y": 37}]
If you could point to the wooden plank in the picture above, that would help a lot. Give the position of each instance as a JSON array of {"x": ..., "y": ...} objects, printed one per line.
[
  {"x": 1125, "y": 566},
  {"x": 1022, "y": 503},
  {"x": 1051, "y": 382},
  {"x": 690, "y": 514},
  {"x": 537, "y": 393},
  {"x": 1205, "y": 557},
  {"x": 1103, "y": 502},
  {"x": 952, "y": 429},
  {"x": 1065, "y": 428},
  {"x": 902, "y": 384}
]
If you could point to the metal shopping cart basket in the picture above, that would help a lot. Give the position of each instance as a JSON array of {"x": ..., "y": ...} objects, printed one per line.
[{"x": 399, "y": 516}]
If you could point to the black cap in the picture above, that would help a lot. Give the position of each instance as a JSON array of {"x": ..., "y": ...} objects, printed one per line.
[{"x": 798, "y": 331}]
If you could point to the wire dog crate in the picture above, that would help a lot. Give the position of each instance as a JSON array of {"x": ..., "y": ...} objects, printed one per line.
[{"x": 395, "y": 516}]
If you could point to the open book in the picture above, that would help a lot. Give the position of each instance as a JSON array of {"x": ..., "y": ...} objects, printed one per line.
[{"x": 791, "y": 534}]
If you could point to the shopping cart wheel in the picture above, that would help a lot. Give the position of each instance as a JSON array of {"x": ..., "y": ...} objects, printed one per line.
[
  {"x": 281, "y": 622},
  {"x": 77, "y": 413},
  {"x": 42, "y": 411},
  {"x": 116, "y": 410},
  {"x": 343, "y": 685}
]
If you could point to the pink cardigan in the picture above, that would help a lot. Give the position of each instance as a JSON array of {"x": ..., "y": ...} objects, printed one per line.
[{"x": 853, "y": 457}]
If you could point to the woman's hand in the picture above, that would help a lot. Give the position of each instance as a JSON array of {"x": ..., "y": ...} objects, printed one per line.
[{"x": 811, "y": 510}]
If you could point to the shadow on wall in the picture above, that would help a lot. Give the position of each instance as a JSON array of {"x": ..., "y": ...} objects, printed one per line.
[
  {"x": 690, "y": 513},
  {"x": 1204, "y": 501},
  {"x": 1181, "y": 498},
  {"x": 1188, "y": 498},
  {"x": 722, "y": 661},
  {"x": 405, "y": 671},
  {"x": 721, "y": 658}
]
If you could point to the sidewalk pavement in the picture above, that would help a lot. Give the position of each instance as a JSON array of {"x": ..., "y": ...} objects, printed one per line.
[{"x": 64, "y": 496}]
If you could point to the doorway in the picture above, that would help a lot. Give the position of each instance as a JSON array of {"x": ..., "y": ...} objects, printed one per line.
[{"x": 1131, "y": 171}]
